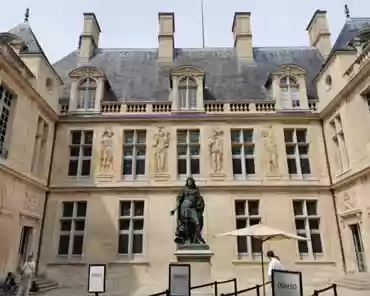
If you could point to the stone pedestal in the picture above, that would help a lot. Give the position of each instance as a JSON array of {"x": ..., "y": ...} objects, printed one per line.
[{"x": 199, "y": 258}]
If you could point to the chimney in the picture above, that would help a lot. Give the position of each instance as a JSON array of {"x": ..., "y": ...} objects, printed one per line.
[
  {"x": 243, "y": 35},
  {"x": 318, "y": 31},
  {"x": 89, "y": 39},
  {"x": 166, "y": 40}
]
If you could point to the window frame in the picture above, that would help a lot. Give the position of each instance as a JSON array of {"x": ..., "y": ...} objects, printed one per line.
[
  {"x": 297, "y": 156},
  {"x": 243, "y": 155},
  {"x": 339, "y": 142},
  {"x": 4, "y": 145},
  {"x": 188, "y": 88},
  {"x": 80, "y": 158},
  {"x": 72, "y": 232},
  {"x": 247, "y": 217},
  {"x": 134, "y": 157},
  {"x": 290, "y": 85},
  {"x": 307, "y": 231},
  {"x": 89, "y": 85},
  {"x": 39, "y": 151},
  {"x": 188, "y": 156},
  {"x": 131, "y": 256}
]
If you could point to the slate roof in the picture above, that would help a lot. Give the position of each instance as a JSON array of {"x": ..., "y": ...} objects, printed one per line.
[
  {"x": 137, "y": 76},
  {"x": 24, "y": 32}
]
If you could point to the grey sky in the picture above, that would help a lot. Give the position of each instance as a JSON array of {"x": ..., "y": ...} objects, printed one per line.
[{"x": 134, "y": 23}]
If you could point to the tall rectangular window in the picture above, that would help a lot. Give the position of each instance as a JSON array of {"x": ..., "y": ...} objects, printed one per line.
[
  {"x": 188, "y": 152},
  {"x": 247, "y": 213},
  {"x": 72, "y": 228},
  {"x": 307, "y": 224},
  {"x": 6, "y": 99},
  {"x": 242, "y": 147},
  {"x": 80, "y": 153},
  {"x": 297, "y": 147},
  {"x": 131, "y": 228},
  {"x": 39, "y": 150},
  {"x": 337, "y": 135},
  {"x": 134, "y": 152}
]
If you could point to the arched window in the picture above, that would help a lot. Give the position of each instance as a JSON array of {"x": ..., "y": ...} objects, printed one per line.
[
  {"x": 86, "y": 94},
  {"x": 187, "y": 93},
  {"x": 289, "y": 93}
]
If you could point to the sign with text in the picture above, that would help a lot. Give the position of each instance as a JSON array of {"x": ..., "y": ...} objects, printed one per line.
[
  {"x": 179, "y": 280},
  {"x": 96, "y": 279},
  {"x": 286, "y": 283}
]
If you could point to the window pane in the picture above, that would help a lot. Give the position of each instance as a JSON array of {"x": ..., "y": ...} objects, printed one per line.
[
  {"x": 254, "y": 221},
  {"x": 305, "y": 166},
  {"x": 242, "y": 244},
  {"x": 311, "y": 207},
  {"x": 194, "y": 136},
  {"x": 87, "y": 151},
  {"x": 237, "y": 166},
  {"x": 298, "y": 207},
  {"x": 314, "y": 224},
  {"x": 67, "y": 209},
  {"x": 292, "y": 167},
  {"x": 236, "y": 150},
  {"x": 127, "y": 166},
  {"x": 86, "y": 165},
  {"x": 256, "y": 245},
  {"x": 129, "y": 137},
  {"x": 128, "y": 151},
  {"x": 124, "y": 224},
  {"x": 241, "y": 223},
  {"x": 288, "y": 136},
  {"x": 248, "y": 136},
  {"x": 299, "y": 224},
  {"x": 303, "y": 149},
  {"x": 139, "y": 208},
  {"x": 140, "y": 167},
  {"x": 63, "y": 245},
  {"x": 240, "y": 207},
  {"x": 138, "y": 224},
  {"x": 72, "y": 167},
  {"x": 182, "y": 136},
  {"x": 65, "y": 225},
  {"x": 249, "y": 149},
  {"x": 76, "y": 137},
  {"x": 88, "y": 138},
  {"x": 77, "y": 244},
  {"x": 182, "y": 149},
  {"x": 235, "y": 136},
  {"x": 80, "y": 225},
  {"x": 141, "y": 137},
  {"x": 181, "y": 166},
  {"x": 303, "y": 246},
  {"x": 194, "y": 166},
  {"x": 140, "y": 150},
  {"x": 125, "y": 208},
  {"x": 137, "y": 244},
  {"x": 253, "y": 207},
  {"x": 290, "y": 150},
  {"x": 81, "y": 208},
  {"x": 75, "y": 151},
  {"x": 316, "y": 243},
  {"x": 123, "y": 244},
  {"x": 194, "y": 150},
  {"x": 249, "y": 166},
  {"x": 301, "y": 136}
]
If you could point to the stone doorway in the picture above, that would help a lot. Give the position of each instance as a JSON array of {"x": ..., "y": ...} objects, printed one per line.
[{"x": 359, "y": 247}]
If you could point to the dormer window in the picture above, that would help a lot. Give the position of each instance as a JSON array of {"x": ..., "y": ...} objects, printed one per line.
[
  {"x": 289, "y": 92},
  {"x": 187, "y": 89},
  {"x": 86, "y": 94},
  {"x": 188, "y": 93}
]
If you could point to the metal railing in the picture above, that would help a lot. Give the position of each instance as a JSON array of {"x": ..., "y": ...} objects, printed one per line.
[
  {"x": 333, "y": 287},
  {"x": 256, "y": 287},
  {"x": 214, "y": 284}
]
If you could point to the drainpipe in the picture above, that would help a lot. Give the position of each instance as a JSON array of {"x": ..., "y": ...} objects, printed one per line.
[
  {"x": 46, "y": 199},
  {"x": 333, "y": 199}
]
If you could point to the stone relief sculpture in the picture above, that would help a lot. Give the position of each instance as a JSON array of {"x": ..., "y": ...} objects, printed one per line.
[
  {"x": 216, "y": 146},
  {"x": 348, "y": 203},
  {"x": 31, "y": 203},
  {"x": 106, "y": 156},
  {"x": 270, "y": 158},
  {"x": 161, "y": 144},
  {"x": 189, "y": 207}
]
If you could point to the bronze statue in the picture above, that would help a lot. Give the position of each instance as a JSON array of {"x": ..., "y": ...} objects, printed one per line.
[{"x": 190, "y": 207}]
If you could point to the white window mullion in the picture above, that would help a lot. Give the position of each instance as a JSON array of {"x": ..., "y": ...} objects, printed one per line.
[
  {"x": 307, "y": 228},
  {"x": 187, "y": 94},
  {"x": 71, "y": 235},
  {"x": 134, "y": 152},
  {"x": 242, "y": 157},
  {"x": 131, "y": 228},
  {"x": 79, "y": 163}
]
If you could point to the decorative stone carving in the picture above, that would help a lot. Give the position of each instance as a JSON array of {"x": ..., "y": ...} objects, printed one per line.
[
  {"x": 161, "y": 144},
  {"x": 216, "y": 150},
  {"x": 270, "y": 158},
  {"x": 347, "y": 202},
  {"x": 106, "y": 155},
  {"x": 32, "y": 203}
]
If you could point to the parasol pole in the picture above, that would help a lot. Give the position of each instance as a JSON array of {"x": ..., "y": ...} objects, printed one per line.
[{"x": 263, "y": 270}]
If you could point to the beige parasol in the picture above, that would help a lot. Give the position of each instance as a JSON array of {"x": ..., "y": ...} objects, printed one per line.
[{"x": 263, "y": 233}]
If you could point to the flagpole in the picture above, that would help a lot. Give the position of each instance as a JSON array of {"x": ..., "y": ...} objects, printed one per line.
[{"x": 202, "y": 11}]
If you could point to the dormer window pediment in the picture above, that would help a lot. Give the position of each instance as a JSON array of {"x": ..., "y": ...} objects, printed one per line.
[{"x": 187, "y": 85}]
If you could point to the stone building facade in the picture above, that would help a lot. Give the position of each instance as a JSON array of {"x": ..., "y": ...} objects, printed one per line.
[{"x": 271, "y": 135}]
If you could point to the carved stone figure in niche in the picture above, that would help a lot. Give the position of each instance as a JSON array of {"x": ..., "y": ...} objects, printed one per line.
[
  {"x": 189, "y": 207},
  {"x": 31, "y": 203},
  {"x": 271, "y": 157},
  {"x": 161, "y": 143},
  {"x": 106, "y": 156},
  {"x": 216, "y": 150},
  {"x": 348, "y": 203}
]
